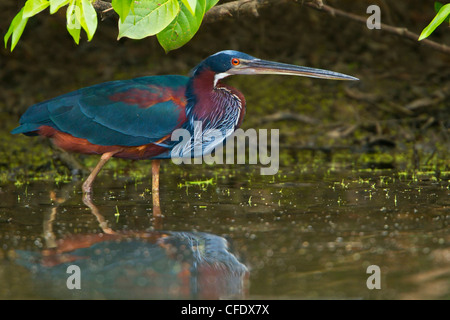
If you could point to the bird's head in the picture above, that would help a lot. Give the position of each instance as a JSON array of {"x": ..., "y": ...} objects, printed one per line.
[{"x": 230, "y": 62}]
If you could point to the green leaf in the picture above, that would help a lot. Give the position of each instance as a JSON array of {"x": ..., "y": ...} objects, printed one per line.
[
  {"x": 190, "y": 5},
  {"x": 440, "y": 17},
  {"x": 210, "y": 4},
  {"x": 182, "y": 28},
  {"x": 437, "y": 7},
  {"x": 55, "y": 5},
  {"x": 33, "y": 7},
  {"x": 15, "y": 29},
  {"x": 73, "y": 22},
  {"x": 149, "y": 18},
  {"x": 88, "y": 18},
  {"x": 122, "y": 7}
]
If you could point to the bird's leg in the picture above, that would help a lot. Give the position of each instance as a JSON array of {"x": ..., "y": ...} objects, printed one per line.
[
  {"x": 101, "y": 220},
  {"x": 155, "y": 188},
  {"x": 87, "y": 185}
]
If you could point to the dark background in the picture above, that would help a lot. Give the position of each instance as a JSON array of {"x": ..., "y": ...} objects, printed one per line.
[
  {"x": 311, "y": 230},
  {"x": 401, "y": 102}
]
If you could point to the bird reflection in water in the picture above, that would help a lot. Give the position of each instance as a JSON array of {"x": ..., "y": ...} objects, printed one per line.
[{"x": 135, "y": 265}]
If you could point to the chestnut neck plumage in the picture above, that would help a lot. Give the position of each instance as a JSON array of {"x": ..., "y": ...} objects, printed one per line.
[{"x": 217, "y": 105}]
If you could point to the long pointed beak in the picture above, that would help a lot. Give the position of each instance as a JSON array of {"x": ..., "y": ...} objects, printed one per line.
[{"x": 258, "y": 66}]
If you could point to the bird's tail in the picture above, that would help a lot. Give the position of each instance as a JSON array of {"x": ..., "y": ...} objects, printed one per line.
[
  {"x": 36, "y": 116},
  {"x": 28, "y": 129}
]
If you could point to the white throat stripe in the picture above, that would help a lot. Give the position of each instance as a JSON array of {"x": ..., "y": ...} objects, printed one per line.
[{"x": 219, "y": 76}]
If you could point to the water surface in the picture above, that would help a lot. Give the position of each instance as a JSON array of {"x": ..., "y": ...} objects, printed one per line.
[{"x": 229, "y": 233}]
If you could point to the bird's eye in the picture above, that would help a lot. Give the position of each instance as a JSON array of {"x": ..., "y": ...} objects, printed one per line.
[{"x": 235, "y": 61}]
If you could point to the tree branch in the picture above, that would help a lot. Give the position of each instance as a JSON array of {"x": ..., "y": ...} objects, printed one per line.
[
  {"x": 101, "y": 5},
  {"x": 235, "y": 8},
  {"x": 250, "y": 7},
  {"x": 402, "y": 32},
  {"x": 104, "y": 8},
  {"x": 216, "y": 13}
]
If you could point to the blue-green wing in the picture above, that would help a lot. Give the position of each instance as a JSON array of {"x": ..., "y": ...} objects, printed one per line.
[{"x": 127, "y": 112}]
